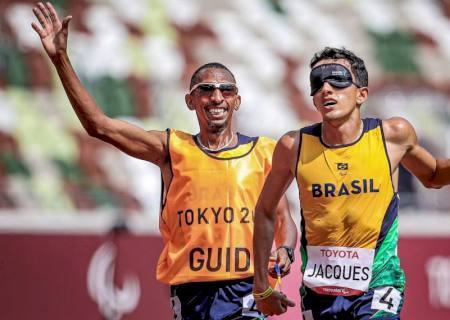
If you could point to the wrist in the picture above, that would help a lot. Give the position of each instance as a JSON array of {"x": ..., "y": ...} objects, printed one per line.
[
  {"x": 261, "y": 295},
  {"x": 260, "y": 287},
  {"x": 260, "y": 283},
  {"x": 59, "y": 56},
  {"x": 290, "y": 252}
]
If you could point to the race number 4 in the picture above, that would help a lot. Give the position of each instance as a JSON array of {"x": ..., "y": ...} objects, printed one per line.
[{"x": 387, "y": 299}]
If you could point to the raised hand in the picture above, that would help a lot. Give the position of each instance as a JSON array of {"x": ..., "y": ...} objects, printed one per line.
[{"x": 53, "y": 32}]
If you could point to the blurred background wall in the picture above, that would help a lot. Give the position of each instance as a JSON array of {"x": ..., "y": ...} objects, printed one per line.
[{"x": 136, "y": 58}]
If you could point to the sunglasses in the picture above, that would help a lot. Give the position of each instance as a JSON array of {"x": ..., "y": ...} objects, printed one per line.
[
  {"x": 227, "y": 89},
  {"x": 335, "y": 74}
]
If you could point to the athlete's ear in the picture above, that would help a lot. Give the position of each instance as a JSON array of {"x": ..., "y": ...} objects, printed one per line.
[
  {"x": 189, "y": 101},
  {"x": 237, "y": 103},
  {"x": 361, "y": 95}
]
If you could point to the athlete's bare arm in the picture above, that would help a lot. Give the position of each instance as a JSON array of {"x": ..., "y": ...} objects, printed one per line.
[
  {"x": 285, "y": 235},
  {"x": 278, "y": 180},
  {"x": 402, "y": 145},
  {"x": 135, "y": 141}
]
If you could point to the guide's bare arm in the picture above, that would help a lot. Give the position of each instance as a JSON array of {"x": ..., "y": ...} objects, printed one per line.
[{"x": 135, "y": 141}]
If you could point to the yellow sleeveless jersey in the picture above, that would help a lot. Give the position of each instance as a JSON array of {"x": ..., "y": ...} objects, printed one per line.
[
  {"x": 207, "y": 216},
  {"x": 349, "y": 213}
]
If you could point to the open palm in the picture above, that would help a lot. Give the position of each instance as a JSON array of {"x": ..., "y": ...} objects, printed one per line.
[{"x": 53, "y": 32}]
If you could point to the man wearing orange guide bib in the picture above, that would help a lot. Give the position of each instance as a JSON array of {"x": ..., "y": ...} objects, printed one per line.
[{"x": 211, "y": 182}]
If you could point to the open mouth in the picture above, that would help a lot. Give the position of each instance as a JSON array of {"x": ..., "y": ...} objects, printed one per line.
[
  {"x": 216, "y": 112},
  {"x": 329, "y": 103}
]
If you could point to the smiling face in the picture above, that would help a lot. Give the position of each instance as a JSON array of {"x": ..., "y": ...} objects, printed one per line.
[
  {"x": 338, "y": 104},
  {"x": 214, "y": 103}
]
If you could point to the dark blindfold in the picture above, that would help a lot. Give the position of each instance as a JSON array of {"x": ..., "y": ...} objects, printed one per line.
[{"x": 335, "y": 74}]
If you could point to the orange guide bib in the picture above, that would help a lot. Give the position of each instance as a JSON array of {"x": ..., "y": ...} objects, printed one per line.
[{"x": 207, "y": 217}]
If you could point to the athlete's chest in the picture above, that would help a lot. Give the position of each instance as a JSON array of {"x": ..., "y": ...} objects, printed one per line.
[
  {"x": 346, "y": 172},
  {"x": 363, "y": 159},
  {"x": 336, "y": 167}
]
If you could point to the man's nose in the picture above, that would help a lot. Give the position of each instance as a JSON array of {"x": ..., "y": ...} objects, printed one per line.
[
  {"x": 216, "y": 95},
  {"x": 326, "y": 87}
]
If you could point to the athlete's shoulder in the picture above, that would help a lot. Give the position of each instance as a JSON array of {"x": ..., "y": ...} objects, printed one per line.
[
  {"x": 289, "y": 139},
  {"x": 399, "y": 130}
]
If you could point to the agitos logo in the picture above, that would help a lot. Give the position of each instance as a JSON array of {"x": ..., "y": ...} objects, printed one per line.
[
  {"x": 342, "y": 168},
  {"x": 112, "y": 301}
]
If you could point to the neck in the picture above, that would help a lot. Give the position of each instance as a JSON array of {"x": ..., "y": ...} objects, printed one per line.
[
  {"x": 341, "y": 134},
  {"x": 216, "y": 141}
]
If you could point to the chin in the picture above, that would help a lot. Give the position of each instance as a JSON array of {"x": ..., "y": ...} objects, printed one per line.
[
  {"x": 334, "y": 115},
  {"x": 217, "y": 125},
  {"x": 330, "y": 116}
]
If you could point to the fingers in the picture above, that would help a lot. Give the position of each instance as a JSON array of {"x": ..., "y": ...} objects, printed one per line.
[
  {"x": 273, "y": 274},
  {"x": 284, "y": 262},
  {"x": 282, "y": 306},
  {"x": 285, "y": 269},
  {"x": 48, "y": 20},
  {"x": 40, "y": 16},
  {"x": 286, "y": 302},
  {"x": 281, "y": 258},
  {"x": 45, "y": 13},
  {"x": 276, "y": 304},
  {"x": 47, "y": 16},
  {"x": 65, "y": 22},
  {"x": 52, "y": 13},
  {"x": 39, "y": 31}
]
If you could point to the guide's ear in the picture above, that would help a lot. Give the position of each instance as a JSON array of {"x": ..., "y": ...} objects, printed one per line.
[
  {"x": 237, "y": 103},
  {"x": 189, "y": 101}
]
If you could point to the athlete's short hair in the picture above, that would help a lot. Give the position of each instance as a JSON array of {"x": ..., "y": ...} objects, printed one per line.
[
  {"x": 357, "y": 64},
  {"x": 212, "y": 65}
]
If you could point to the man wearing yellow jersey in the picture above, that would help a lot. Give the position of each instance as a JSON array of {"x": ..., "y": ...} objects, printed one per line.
[
  {"x": 347, "y": 172},
  {"x": 211, "y": 182}
]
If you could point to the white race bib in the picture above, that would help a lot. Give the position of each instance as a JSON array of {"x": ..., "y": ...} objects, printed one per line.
[
  {"x": 387, "y": 299},
  {"x": 338, "y": 271}
]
